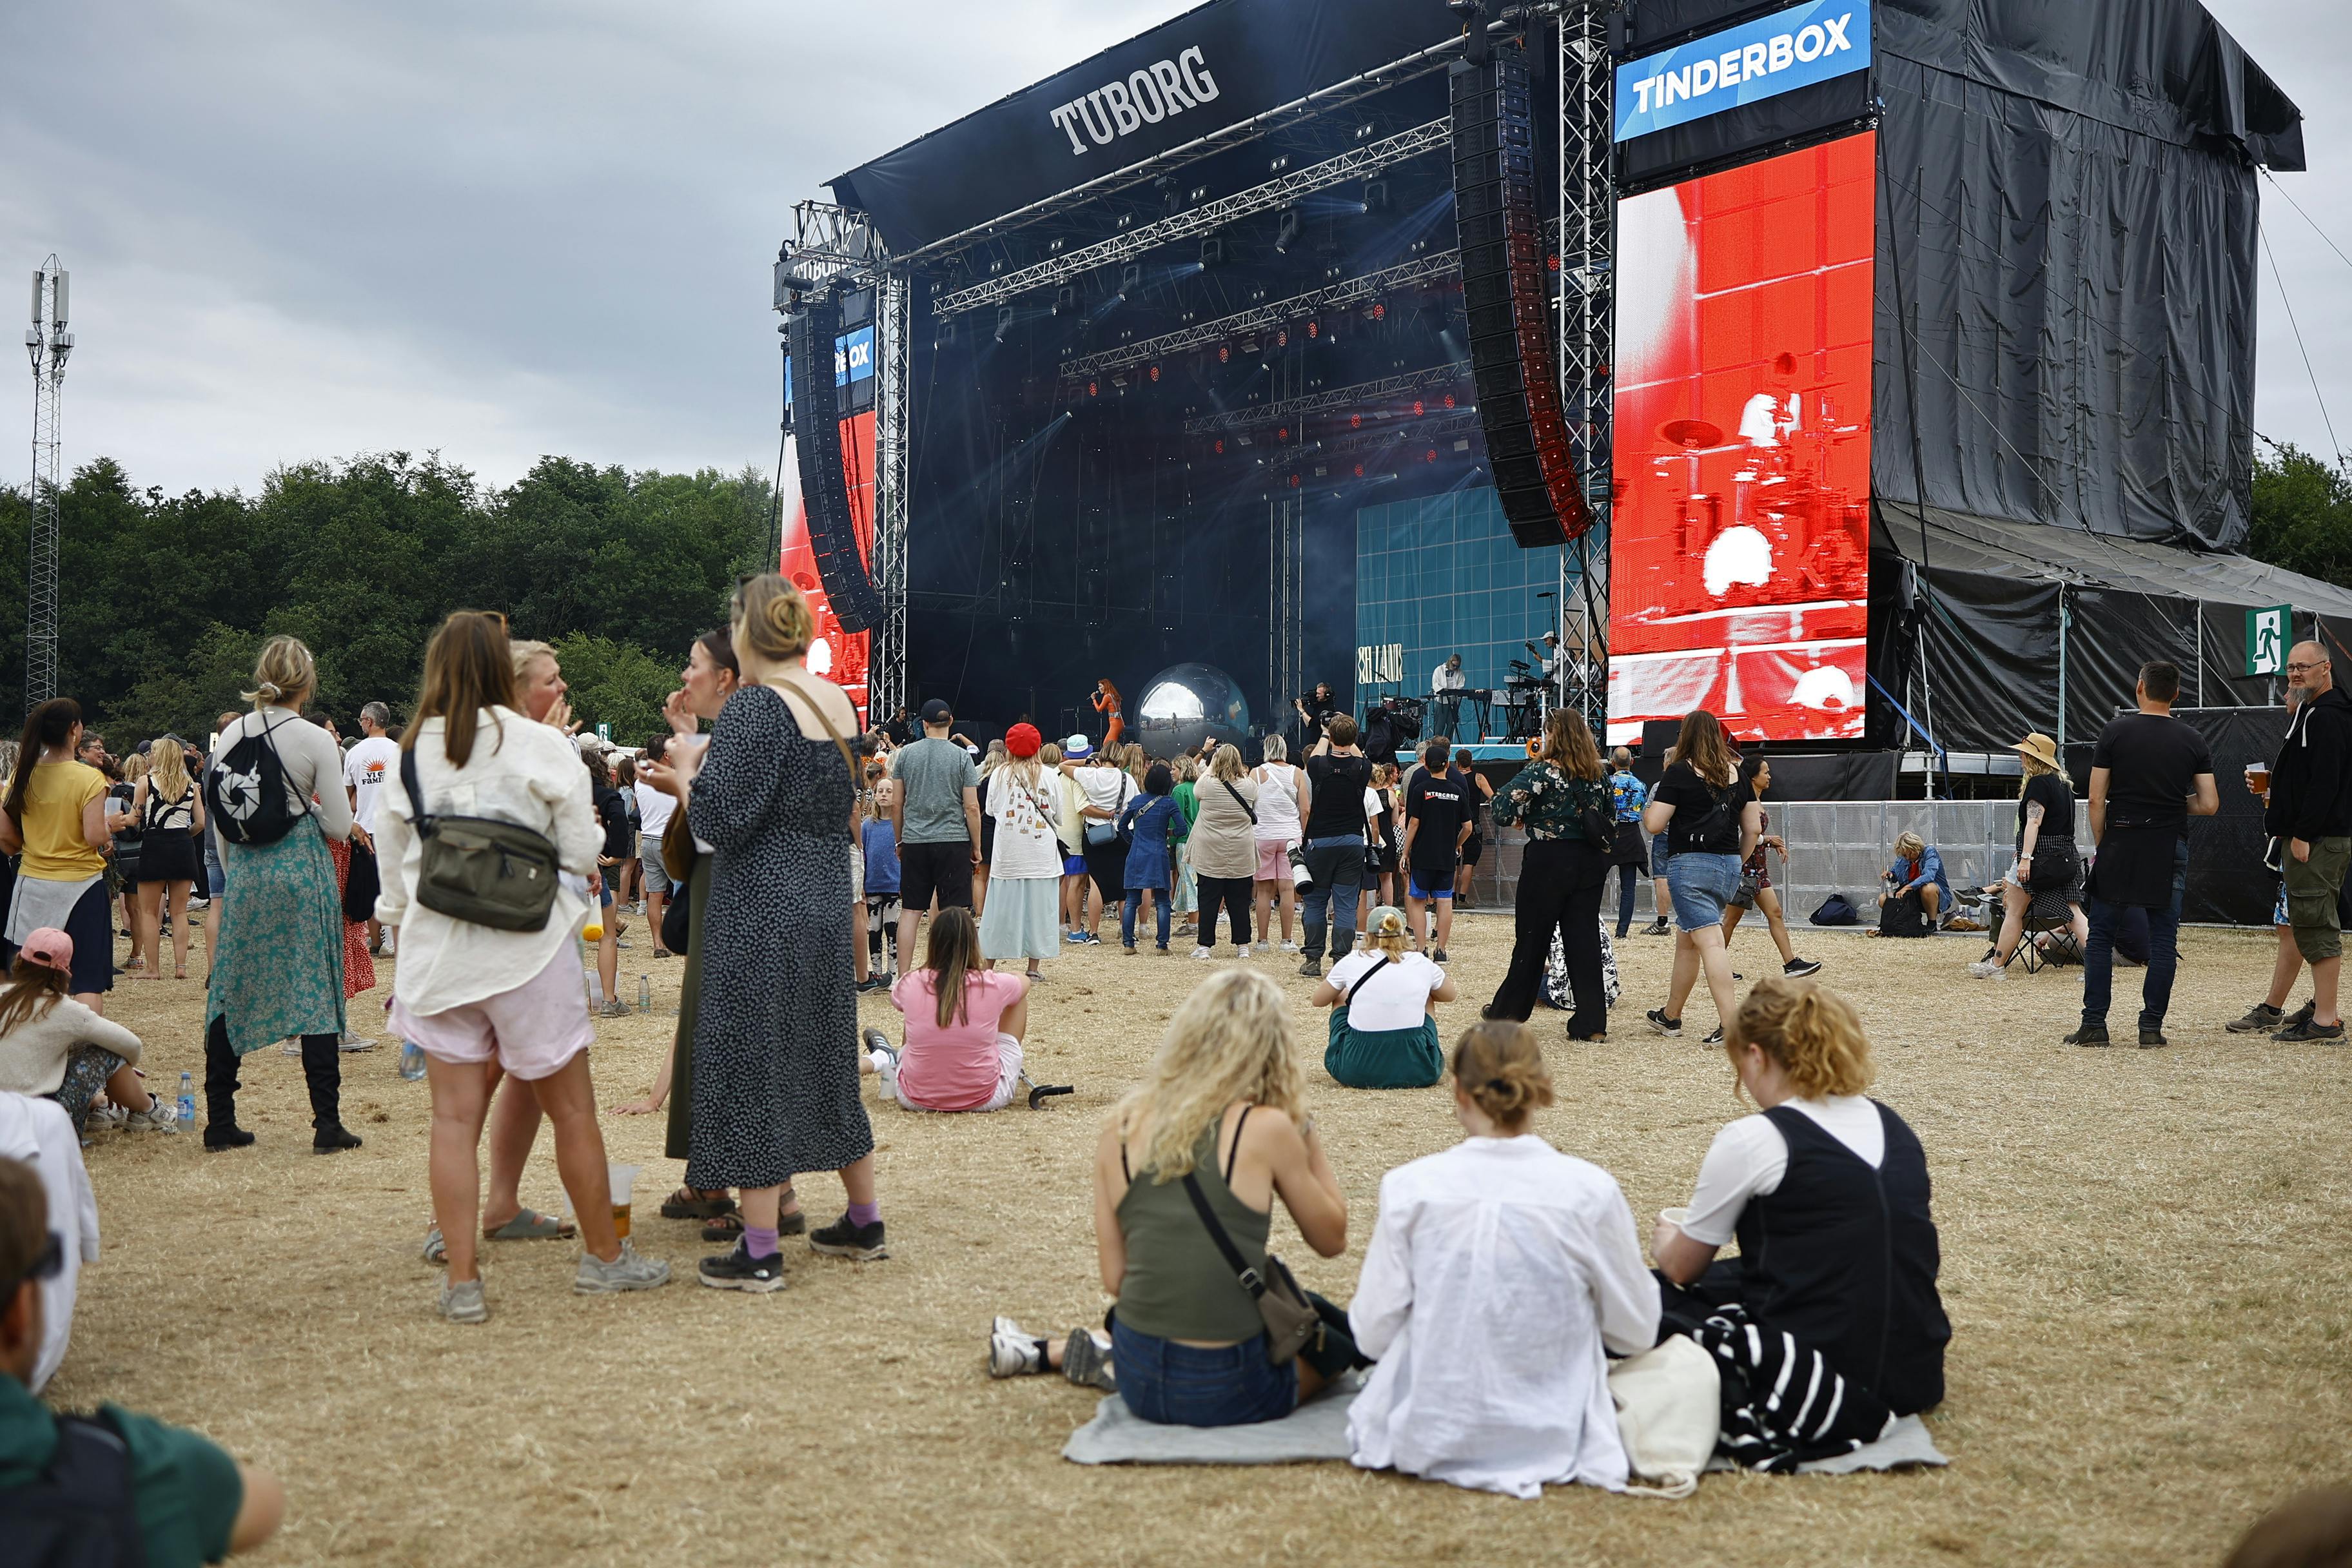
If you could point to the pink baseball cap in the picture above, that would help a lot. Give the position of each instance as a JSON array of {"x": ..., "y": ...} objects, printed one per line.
[{"x": 52, "y": 948}]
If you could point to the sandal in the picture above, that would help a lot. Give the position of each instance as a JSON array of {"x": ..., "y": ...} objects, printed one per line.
[
  {"x": 728, "y": 1228},
  {"x": 531, "y": 1225},
  {"x": 688, "y": 1204}
]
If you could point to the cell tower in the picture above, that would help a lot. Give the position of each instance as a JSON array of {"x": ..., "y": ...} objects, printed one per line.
[{"x": 47, "y": 344}]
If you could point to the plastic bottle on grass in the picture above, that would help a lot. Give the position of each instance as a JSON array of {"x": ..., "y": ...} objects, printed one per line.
[
  {"x": 187, "y": 1099},
  {"x": 644, "y": 993},
  {"x": 411, "y": 1060}
]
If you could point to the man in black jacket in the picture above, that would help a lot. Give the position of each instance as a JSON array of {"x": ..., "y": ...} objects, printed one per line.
[{"x": 2310, "y": 814}]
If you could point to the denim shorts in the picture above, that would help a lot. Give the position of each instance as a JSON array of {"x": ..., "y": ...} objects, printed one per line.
[
  {"x": 1184, "y": 1385},
  {"x": 1659, "y": 855},
  {"x": 1701, "y": 887}
]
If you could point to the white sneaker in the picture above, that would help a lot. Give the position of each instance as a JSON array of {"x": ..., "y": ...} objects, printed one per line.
[
  {"x": 350, "y": 1042},
  {"x": 1014, "y": 1351},
  {"x": 1203, "y": 952},
  {"x": 292, "y": 1048},
  {"x": 1988, "y": 969},
  {"x": 161, "y": 1116},
  {"x": 1263, "y": 946},
  {"x": 1290, "y": 947}
]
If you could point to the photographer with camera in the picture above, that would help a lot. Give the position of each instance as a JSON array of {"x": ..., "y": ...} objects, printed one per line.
[
  {"x": 1314, "y": 712},
  {"x": 1337, "y": 775}
]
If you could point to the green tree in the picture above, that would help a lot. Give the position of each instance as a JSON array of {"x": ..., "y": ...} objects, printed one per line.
[
  {"x": 612, "y": 683},
  {"x": 2302, "y": 515}
]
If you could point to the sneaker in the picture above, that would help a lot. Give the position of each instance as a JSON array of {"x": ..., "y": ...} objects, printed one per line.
[
  {"x": 1994, "y": 969},
  {"x": 1093, "y": 940},
  {"x": 2303, "y": 1029},
  {"x": 615, "y": 1009},
  {"x": 2263, "y": 1018},
  {"x": 463, "y": 1304},
  {"x": 2150, "y": 1039},
  {"x": 1085, "y": 1361},
  {"x": 350, "y": 1042},
  {"x": 1798, "y": 968},
  {"x": 1715, "y": 1038},
  {"x": 1075, "y": 938},
  {"x": 1263, "y": 946},
  {"x": 626, "y": 1272},
  {"x": 842, "y": 1239},
  {"x": 161, "y": 1116},
  {"x": 1311, "y": 968},
  {"x": 1658, "y": 927},
  {"x": 1128, "y": 948},
  {"x": 1203, "y": 952},
  {"x": 2088, "y": 1035},
  {"x": 739, "y": 1270},
  {"x": 109, "y": 1115},
  {"x": 1438, "y": 955},
  {"x": 1290, "y": 947},
  {"x": 1014, "y": 1351},
  {"x": 1664, "y": 1025},
  {"x": 292, "y": 1046}
]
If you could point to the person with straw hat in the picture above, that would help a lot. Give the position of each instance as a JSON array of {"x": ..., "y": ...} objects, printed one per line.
[{"x": 2047, "y": 859}]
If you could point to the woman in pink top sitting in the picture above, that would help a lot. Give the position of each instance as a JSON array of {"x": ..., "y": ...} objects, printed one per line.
[{"x": 964, "y": 1026}]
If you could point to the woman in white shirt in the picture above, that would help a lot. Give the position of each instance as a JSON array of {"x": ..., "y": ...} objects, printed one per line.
[
  {"x": 1282, "y": 804},
  {"x": 469, "y": 995},
  {"x": 1024, "y": 801},
  {"x": 1499, "y": 1273},
  {"x": 1827, "y": 1194},
  {"x": 1106, "y": 789},
  {"x": 53, "y": 1046},
  {"x": 1383, "y": 999}
]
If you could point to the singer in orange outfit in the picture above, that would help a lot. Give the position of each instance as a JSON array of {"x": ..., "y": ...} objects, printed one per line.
[{"x": 1106, "y": 701}]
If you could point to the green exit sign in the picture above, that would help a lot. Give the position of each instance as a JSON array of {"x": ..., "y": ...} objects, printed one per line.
[{"x": 2267, "y": 635}]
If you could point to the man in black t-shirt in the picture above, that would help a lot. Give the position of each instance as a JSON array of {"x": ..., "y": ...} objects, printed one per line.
[
  {"x": 1438, "y": 817},
  {"x": 2150, "y": 772},
  {"x": 1337, "y": 776}
]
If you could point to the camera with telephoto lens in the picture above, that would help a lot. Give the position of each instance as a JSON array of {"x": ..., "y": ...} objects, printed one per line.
[{"x": 1300, "y": 877}]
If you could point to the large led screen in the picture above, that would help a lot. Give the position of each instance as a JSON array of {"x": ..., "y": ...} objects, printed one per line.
[
  {"x": 1739, "y": 554},
  {"x": 839, "y": 656}
]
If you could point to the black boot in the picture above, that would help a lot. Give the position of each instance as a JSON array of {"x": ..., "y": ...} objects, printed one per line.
[
  {"x": 322, "y": 1067},
  {"x": 221, "y": 1131}
]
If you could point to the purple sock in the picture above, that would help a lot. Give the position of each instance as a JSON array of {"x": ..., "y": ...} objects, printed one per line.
[
  {"x": 865, "y": 1214},
  {"x": 760, "y": 1243}
]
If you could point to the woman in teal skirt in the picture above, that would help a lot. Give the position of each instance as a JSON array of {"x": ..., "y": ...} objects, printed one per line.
[
  {"x": 277, "y": 958},
  {"x": 1383, "y": 999}
]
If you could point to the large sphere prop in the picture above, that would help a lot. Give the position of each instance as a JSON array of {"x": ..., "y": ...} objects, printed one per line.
[{"x": 1184, "y": 705}]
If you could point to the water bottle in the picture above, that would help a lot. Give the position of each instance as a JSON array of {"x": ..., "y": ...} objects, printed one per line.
[
  {"x": 187, "y": 1099},
  {"x": 411, "y": 1060},
  {"x": 644, "y": 993}
]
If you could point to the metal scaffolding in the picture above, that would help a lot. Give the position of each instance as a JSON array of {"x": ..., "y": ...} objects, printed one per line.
[
  {"x": 1588, "y": 240},
  {"x": 48, "y": 344}
]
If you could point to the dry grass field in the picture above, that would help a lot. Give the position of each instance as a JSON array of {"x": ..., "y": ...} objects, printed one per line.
[{"x": 2144, "y": 1264}]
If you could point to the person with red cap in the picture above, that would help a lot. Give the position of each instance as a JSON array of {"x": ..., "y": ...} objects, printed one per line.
[{"x": 1022, "y": 918}]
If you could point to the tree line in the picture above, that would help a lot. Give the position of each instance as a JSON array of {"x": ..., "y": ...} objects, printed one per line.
[{"x": 164, "y": 600}]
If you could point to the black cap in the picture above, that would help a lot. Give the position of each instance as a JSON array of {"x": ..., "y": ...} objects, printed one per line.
[{"x": 937, "y": 712}]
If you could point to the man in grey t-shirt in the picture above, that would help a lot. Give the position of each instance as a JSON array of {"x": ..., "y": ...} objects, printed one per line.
[{"x": 935, "y": 812}]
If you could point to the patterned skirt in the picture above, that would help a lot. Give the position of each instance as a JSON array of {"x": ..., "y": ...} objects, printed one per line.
[{"x": 277, "y": 967}]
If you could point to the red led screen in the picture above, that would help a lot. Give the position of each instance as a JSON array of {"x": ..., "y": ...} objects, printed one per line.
[
  {"x": 839, "y": 656},
  {"x": 1740, "y": 553}
]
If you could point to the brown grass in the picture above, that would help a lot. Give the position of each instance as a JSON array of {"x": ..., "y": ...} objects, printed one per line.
[{"x": 2143, "y": 1263}]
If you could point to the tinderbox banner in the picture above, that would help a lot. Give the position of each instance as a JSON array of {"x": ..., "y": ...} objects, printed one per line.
[
  {"x": 1212, "y": 67},
  {"x": 1814, "y": 42}
]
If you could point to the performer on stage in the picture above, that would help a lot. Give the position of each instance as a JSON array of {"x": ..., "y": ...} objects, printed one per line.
[
  {"x": 1446, "y": 685},
  {"x": 1106, "y": 701},
  {"x": 1770, "y": 418}
]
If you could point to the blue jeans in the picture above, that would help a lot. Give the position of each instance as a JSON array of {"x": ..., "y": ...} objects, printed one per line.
[
  {"x": 1135, "y": 902},
  {"x": 1338, "y": 867},
  {"x": 1628, "y": 879},
  {"x": 2163, "y": 952},
  {"x": 1701, "y": 887},
  {"x": 1184, "y": 1385}
]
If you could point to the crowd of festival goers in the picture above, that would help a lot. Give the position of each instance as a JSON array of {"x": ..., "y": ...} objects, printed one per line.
[{"x": 791, "y": 864}]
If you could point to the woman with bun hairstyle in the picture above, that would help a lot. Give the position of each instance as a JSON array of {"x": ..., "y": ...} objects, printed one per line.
[
  {"x": 1500, "y": 1274},
  {"x": 1827, "y": 1193},
  {"x": 1383, "y": 999},
  {"x": 276, "y": 959},
  {"x": 772, "y": 792}
]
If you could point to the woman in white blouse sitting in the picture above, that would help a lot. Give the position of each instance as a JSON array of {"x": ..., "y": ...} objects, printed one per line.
[{"x": 1499, "y": 1272}]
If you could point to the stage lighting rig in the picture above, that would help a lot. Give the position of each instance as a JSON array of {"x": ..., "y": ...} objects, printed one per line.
[
  {"x": 1005, "y": 319},
  {"x": 1287, "y": 231}
]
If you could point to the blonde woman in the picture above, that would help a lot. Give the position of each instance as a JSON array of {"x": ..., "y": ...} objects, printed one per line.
[
  {"x": 1224, "y": 848},
  {"x": 1223, "y": 1113},
  {"x": 1383, "y": 999},
  {"x": 2047, "y": 858},
  {"x": 1827, "y": 1193},
  {"x": 165, "y": 805},
  {"x": 277, "y": 956},
  {"x": 1024, "y": 800},
  {"x": 775, "y": 1070},
  {"x": 1699, "y": 806},
  {"x": 1283, "y": 798},
  {"x": 1501, "y": 1275}
]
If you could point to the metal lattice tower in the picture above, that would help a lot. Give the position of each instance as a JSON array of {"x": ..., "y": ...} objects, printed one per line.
[
  {"x": 46, "y": 343},
  {"x": 1588, "y": 245}
]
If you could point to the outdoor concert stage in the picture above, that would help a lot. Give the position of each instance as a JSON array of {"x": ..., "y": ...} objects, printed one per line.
[{"x": 1904, "y": 351}]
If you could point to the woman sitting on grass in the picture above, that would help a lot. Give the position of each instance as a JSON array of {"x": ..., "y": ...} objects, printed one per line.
[
  {"x": 1499, "y": 1273},
  {"x": 1383, "y": 999},
  {"x": 1224, "y": 1114},
  {"x": 55, "y": 1045},
  {"x": 1827, "y": 1193},
  {"x": 964, "y": 1026}
]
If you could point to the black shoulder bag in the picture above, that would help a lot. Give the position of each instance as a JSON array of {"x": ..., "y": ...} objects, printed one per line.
[
  {"x": 1292, "y": 1324},
  {"x": 1349, "y": 999},
  {"x": 1247, "y": 809},
  {"x": 496, "y": 874}
]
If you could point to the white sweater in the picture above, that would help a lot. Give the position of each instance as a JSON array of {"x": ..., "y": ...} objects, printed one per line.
[
  {"x": 521, "y": 771},
  {"x": 1498, "y": 1272},
  {"x": 33, "y": 1054}
]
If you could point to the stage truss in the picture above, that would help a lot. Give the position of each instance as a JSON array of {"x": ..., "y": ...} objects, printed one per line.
[{"x": 1588, "y": 234}]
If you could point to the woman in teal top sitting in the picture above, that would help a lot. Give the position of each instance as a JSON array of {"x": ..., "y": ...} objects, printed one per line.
[
  {"x": 1226, "y": 1107},
  {"x": 1383, "y": 999}
]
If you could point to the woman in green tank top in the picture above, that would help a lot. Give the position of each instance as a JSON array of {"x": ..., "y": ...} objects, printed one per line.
[{"x": 1224, "y": 1104}]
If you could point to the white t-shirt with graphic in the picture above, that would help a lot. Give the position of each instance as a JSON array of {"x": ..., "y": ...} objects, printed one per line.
[{"x": 368, "y": 767}]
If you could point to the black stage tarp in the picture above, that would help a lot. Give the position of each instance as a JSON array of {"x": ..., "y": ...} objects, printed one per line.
[{"x": 1217, "y": 66}]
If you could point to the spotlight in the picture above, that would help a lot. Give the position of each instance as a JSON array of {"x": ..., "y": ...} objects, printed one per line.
[
  {"x": 1131, "y": 278},
  {"x": 1213, "y": 253},
  {"x": 1376, "y": 196},
  {"x": 1287, "y": 231},
  {"x": 1065, "y": 300},
  {"x": 1005, "y": 319}
]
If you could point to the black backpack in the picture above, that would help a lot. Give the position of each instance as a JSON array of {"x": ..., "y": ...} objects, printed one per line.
[
  {"x": 79, "y": 1512},
  {"x": 245, "y": 789}
]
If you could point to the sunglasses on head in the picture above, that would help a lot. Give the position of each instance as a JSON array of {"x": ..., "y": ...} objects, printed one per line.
[{"x": 44, "y": 1268}]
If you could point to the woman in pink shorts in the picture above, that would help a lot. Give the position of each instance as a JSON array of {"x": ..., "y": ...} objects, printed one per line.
[{"x": 471, "y": 996}]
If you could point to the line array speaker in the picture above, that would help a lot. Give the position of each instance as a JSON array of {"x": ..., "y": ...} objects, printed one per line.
[
  {"x": 824, "y": 484},
  {"x": 1506, "y": 290}
]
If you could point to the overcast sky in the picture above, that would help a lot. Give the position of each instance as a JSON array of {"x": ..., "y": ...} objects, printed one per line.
[{"x": 303, "y": 228}]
